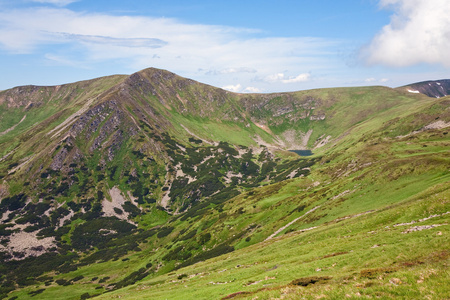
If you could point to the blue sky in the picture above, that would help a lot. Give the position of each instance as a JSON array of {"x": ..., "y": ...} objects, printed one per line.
[{"x": 242, "y": 46}]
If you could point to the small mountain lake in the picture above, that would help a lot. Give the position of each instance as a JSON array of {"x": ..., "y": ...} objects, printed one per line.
[{"x": 302, "y": 152}]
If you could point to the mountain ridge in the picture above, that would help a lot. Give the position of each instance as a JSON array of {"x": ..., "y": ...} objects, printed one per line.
[
  {"x": 133, "y": 178},
  {"x": 168, "y": 74}
]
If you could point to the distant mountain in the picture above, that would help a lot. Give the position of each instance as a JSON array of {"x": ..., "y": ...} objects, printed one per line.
[
  {"x": 155, "y": 186},
  {"x": 432, "y": 88}
]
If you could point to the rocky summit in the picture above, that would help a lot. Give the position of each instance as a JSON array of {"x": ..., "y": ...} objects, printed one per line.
[{"x": 154, "y": 186}]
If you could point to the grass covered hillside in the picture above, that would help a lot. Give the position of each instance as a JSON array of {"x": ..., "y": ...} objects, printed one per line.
[{"x": 153, "y": 186}]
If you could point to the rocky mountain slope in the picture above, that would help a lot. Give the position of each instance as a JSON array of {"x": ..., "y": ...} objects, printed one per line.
[
  {"x": 432, "y": 88},
  {"x": 125, "y": 179}
]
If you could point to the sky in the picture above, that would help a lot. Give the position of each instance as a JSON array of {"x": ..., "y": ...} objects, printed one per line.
[{"x": 243, "y": 46}]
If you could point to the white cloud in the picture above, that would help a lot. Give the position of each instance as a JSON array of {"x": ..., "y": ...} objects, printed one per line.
[
  {"x": 419, "y": 32},
  {"x": 233, "y": 88},
  {"x": 231, "y": 71},
  {"x": 251, "y": 89},
  {"x": 373, "y": 79},
  {"x": 112, "y": 41},
  {"x": 274, "y": 77},
  {"x": 137, "y": 42},
  {"x": 299, "y": 78},
  {"x": 55, "y": 2},
  {"x": 238, "y": 89},
  {"x": 281, "y": 77},
  {"x": 64, "y": 61}
]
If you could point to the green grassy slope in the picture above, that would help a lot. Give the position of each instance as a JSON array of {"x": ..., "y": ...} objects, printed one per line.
[
  {"x": 381, "y": 229},
  {"x": 239, "y": 218},
  {"x": 377, "y": 231},
  {"x": 361, "y": 256}
]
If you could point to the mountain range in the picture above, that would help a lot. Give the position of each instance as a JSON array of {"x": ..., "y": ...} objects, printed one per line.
[{"x": 154, "y": 186}]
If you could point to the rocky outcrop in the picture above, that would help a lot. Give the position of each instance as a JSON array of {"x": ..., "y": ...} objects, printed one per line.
[{"x": 59, "y": 159}]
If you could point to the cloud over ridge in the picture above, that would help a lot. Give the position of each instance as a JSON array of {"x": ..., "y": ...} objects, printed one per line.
[
  {"x": 419, "y": 32},
  {"x": 281, "y": 77}
]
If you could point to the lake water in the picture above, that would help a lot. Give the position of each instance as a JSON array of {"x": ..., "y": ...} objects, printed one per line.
[{"x": 302, "y": 152}]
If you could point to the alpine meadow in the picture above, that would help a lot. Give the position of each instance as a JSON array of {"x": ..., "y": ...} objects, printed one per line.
[{"x": 155, "y": 186}]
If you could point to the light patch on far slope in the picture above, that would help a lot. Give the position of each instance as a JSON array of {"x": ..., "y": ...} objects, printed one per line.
[
  {"x": 264, "y": 127},
  {"x": 290, "y": 223},
  {"x": 230, "y": 175},
  {"x": 117, "y": 200},
  {"x": 435, "y": 125},
  {"x": 322, "y": 141},
  {"x": 28, "y": 243},
  {"x": 413, "y": 91},
  {"x": 166, "y": 198},
  {"x": 196, "y": 136},
  {"x": 297, "y": 140},
  {"x": 180, "y": 173}
]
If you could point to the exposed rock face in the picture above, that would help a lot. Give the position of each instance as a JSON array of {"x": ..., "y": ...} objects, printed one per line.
[
  {"x": 59, "y": 159},
  {"x": 23, "y": 96}
]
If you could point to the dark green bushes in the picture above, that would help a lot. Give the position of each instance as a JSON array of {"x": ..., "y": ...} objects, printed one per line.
[
  {"x": 165, "y": 231},
  {"x": 224, "y": 195},
  {"x": 36, "y": 292},
  {"x": 13, "y": 203},
  {"x": 10, "y": 166},
  {"x": 179, "y": 253},
  {"x": 112, "y": 172},
  {"x": 78, "y": 278},
  {"x": 132, "y": 278},
  {"x": 97, "y": 232},
  {"x": 33, "y": 267},
  {"x": 104, "y": 279},
  {"x": 188, "y": 235},
  {"x": 85, "y": 296},
  {"x": 118, "y": 247},
  {"x": 4, "y": 231},
  {"x": 62, "y": 282},
  {"x": 204, "y": 238},
  {"x": 218, "y": 250},
  {"x": 94, "y": 211},
  {"x": 131, "y": 209},
  {"x": 193, "y": 140}
]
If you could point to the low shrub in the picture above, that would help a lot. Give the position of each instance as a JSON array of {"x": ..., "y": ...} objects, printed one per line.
[
  {"x": 131, "y": 279},
  {"x": 217, "y": 251},
  {"x": 373, "y": 273},
  {"x": 36, "y": 292},
  {"x": 104, "y": 279},
  {"x": 305, "y": 281},
  {"x": 165, "y": 231}
]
